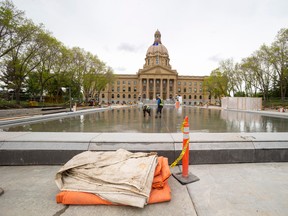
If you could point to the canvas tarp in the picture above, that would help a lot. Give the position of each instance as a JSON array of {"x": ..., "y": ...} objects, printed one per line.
[{"x": 120, "y": 177}]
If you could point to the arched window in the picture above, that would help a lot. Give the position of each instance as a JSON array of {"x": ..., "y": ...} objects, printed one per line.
[
  {"x": 129, "y": 96},
  {"x": 195, "y": 97},
  {"x": 200, "y": 97},
  {"x": 190, "y": 96},
  {"x": 124, "y": 96},
  {"x": 134, "y": 96},
  {"x": 112, "y": 95},
  {"x": 184, "y": 97},
  {"x": 118, "y": 95}
]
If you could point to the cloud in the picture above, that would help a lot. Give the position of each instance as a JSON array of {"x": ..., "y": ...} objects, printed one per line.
[
  {"x": 127, "y": 47},
  {"x": 215, "y": 58},
  {"x": 120, "y": 69}
]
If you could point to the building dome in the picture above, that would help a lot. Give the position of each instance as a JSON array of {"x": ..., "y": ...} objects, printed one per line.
[{"x": 157, "y": 47}]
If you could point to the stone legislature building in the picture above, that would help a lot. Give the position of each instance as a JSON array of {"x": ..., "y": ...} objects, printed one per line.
[{"x": 156, "y": 78}]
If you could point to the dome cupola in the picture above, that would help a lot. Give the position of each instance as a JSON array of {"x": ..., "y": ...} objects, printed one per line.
[{"x": 157, "y": 53}]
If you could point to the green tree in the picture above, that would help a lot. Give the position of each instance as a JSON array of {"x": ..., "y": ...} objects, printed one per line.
[
  {"x": 216, "y": 84},
  {"x": 49, "y": 53},
  {"x": 21, "y": 61},
  {"x": 13, "y": 28},
  {"x": 279, "y": 60}
]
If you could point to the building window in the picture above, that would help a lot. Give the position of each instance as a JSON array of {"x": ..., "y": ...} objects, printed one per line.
[
  {"x": 124, "y": 96},
  {"x": 184, "y": 97},
  {"x": 144, "y": 81},
  {"x": 195, "y": 90},
  {"x": 195, "y": 84},
  {"x": 184, "y": 90},
  {"x": 195, "y": 97},
  {"x": 129, "y": 89},
  {"x": 103, "y": 95},
  {"x": 190, "y": 90},
  {"x": 118, "y": 89},
  {"x": 190, "y": 96},
  {"x": 129, "y": 96},
  {"x": 200, "y": 83},
  {"x": 123, "y": 82},
  {"x": 135, "y": 82},
  {"x": 171, "y": 81},
  {"x": 134, "y": 96},
  {"x": 200, "y": 97},
  {"x": 113, "y": 89},
  {"x": 151, "y": 81},
  {"x": 179, "y": 83},
  {"x": 118, "y": 82},
  {"x": 184, "y": 83},
  {"x": 124, "y": 89},
  {"x": 190, "y": 83},
  {"x": 200, "y": 90},
  {"x": 157, "y": 60},
  {"x": 135, "y": 89},
  {"x": 118, "y": 95},
  {"x": 179, "y": 89},
  {"x": 112, "y": 95}
]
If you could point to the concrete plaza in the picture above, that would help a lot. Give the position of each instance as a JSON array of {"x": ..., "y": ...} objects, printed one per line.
[
  {"x": 233, "y": 178},
  {"x": 223, "y": 189}
]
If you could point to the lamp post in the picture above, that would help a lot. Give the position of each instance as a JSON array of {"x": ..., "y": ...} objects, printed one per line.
[{"x": 70, "y": 101}]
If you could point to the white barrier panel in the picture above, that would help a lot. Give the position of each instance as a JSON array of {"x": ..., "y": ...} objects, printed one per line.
[{"x": 241, "y": 103}]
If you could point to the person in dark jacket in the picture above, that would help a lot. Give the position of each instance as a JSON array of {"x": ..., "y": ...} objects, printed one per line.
[
  {"x": 146, "y": 109},
  {"x": 160, "y": 104}
]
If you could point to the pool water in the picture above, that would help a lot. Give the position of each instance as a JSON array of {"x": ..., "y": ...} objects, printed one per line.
[{"x": 131, "y": 119}]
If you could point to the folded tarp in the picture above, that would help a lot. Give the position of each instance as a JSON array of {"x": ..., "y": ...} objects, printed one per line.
[
  {"x": 121, "y": 177},
  {"x": 74, "y": 191}
]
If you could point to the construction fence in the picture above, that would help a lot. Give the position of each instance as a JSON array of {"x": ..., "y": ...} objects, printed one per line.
[{"x": 241, "y": 103}]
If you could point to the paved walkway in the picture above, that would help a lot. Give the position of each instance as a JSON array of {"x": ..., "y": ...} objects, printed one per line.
[{"x": 226, "y": 189}]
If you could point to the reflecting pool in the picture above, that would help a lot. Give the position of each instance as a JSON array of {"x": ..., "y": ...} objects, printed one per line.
[{"x": 132, "y": 120}]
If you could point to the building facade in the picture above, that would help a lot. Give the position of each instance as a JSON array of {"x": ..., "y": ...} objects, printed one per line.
[{"x": 155, "y": 78}]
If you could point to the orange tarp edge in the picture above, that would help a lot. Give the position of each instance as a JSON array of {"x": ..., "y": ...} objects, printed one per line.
[{"x": 160, "y": 192}]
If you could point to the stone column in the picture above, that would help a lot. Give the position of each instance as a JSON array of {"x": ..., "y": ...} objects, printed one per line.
[
  {"x": 154, "y": 89},
  {"x": 147, "y": 89},
  {"x": 174, "y": 89},
  {"x": 140, "y": 89},
  {"x": 168, "y": 88},
  {"x": 161, "y": 88}
]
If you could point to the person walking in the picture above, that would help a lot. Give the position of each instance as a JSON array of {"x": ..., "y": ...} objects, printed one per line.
[{"x": 159, "y": 106}]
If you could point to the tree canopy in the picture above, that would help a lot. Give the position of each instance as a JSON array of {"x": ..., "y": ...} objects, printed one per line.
[{"x": 35, "y": 62}]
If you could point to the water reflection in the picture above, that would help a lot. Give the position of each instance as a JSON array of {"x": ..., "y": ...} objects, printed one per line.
[{"x": 132, "y": 120}]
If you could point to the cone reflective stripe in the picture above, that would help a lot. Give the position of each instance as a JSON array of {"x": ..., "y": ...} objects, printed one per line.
[
  {"x": 185, "y": 159},
  {"x": 185, "y": 177}
]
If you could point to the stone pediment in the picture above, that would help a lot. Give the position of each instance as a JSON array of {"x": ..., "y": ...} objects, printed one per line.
[{"x": 157, "y": 70}]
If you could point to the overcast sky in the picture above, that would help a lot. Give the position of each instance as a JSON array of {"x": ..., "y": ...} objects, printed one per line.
[{"x": 197, "y": 34}]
